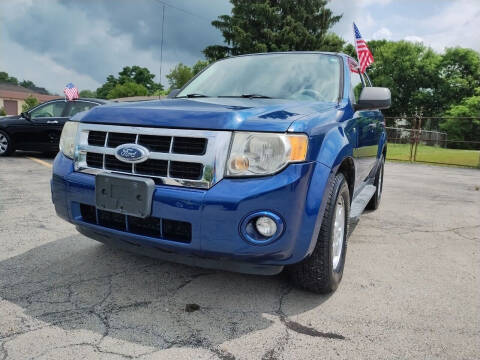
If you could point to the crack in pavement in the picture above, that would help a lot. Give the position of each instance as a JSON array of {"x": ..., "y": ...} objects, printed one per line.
[
  {"x": 441, "y": 231},
  {"x": 306, "y": 330},
  {"x": 96, "y": 348},
  {"x": 3, "y": 350},
  {"x": 299, "y": 328}
]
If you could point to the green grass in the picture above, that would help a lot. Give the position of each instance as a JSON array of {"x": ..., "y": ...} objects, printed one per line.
[{"x": 434, "y": 154}]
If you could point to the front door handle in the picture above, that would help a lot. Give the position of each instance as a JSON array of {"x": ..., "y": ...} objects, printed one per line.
[{"x": 52, "y": 122}]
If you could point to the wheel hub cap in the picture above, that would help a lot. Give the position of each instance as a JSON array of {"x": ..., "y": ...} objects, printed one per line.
[
  {"x": 3, "y": 144},
  {"x": 338, "y": 232}
]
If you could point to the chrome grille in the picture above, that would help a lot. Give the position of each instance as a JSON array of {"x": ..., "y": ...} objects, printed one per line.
[
  {"x": 190, "y": 158},
  {"x": 115, "y": 139}
]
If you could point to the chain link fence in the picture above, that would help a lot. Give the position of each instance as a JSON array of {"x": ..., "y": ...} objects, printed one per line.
[{"x": 441, "y": 140}]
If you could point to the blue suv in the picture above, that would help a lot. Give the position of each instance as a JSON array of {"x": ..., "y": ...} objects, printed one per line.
[{"x": 260, "y": 163}]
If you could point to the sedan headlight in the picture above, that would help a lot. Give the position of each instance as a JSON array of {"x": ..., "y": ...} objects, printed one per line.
[
  {"x": 68, "y": 138},
  {"x": 254, "y": 154}
]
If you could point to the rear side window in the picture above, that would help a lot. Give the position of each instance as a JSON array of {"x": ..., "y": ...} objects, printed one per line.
[
  {"x": 356, "y": 83},
  {"x": 79, "y": 106},
  {"x": 53, "y": 109}
]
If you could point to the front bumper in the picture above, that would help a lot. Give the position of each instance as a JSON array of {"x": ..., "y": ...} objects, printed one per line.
[{"x": 295, "y": 194}]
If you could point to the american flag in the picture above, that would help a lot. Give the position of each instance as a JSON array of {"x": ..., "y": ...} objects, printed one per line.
[
  {"x": 365, "y": 57},
  {"x": 71, "y": 92}
]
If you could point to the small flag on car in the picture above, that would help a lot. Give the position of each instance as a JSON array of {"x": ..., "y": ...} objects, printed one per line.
[
  {"x": 71, "y": 92},
  {"x": 365, "y": 57}
]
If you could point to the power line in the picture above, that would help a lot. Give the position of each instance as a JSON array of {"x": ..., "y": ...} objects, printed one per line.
[
  {"x": 183, "y": 10},
  {"x": 161, "y": 47}
]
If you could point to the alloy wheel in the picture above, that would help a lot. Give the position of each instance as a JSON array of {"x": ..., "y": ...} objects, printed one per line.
[
  {"x": 3, "y": 144},
  {"x": 338, "y": 232}
]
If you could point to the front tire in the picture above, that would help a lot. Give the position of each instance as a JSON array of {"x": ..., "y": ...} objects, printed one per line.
[
  {"x": 322, "y": 271},
  {"x": 6, "y": 144}
]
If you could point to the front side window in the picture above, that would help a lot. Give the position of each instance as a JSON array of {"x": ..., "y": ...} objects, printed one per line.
[
  {"x": 366, "y": 80},
  {"x": 294, "y": 76},
  {"x": 53, "y": 109},
  {"x": 356, "y": 84}
]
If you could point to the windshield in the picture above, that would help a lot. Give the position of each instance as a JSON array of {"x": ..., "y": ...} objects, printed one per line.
[{"x": 281, "y": 76}]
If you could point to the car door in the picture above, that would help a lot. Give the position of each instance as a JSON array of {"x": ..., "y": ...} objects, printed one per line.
[
  {"x": 366, "y": 124},
  {"x": 40, "y": 128},
  {"x": 378, "y": 125}
]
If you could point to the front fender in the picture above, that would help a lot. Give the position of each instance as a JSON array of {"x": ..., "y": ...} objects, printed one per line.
[{"x": 337, "y": 144}]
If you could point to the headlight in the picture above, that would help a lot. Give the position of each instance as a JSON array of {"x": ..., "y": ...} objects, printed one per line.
[
  {"x": 264, "y": 153},
  {"x": 67, "y": 140}
]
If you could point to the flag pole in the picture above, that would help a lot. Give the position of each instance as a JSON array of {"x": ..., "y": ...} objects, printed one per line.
[{"x": 354, "y": 40}]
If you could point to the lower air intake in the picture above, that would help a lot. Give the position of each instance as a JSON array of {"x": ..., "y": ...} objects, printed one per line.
[{"x": 173, "y": 230}]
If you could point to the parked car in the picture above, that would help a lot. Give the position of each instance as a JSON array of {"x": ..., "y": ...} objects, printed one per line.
[
  {"x": 262, "y": 162},
  {"x": 39, "y": 129}
]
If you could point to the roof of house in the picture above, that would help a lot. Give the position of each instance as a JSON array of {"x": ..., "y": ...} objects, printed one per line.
[{"x": 17, "y": 92}]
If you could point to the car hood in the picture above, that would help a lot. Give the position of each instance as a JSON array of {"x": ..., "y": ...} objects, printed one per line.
[
  {"x": 4, "y": 120},
  {"x": 207, "y": 113},
  {"x": 10, "y": 117}
]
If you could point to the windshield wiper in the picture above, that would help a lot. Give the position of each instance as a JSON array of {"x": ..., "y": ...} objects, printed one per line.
[
  {"x": 256, "y": 96},
  {"x": 193, "y": 96},
  {"x": 247, "y": 96}
]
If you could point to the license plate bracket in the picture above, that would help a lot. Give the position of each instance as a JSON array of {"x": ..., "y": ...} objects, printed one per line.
[{"x": 122, "y": 194}]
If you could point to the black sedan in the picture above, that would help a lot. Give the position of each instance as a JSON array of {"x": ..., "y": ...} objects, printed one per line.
[{"x": 39, "y": 129}]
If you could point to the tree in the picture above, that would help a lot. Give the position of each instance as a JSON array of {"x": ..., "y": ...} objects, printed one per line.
[
  {"x": 110, "y": 83},
  {"x": 410, "y": 71},
  {"x": 126, "y": 90},
  {"x": 27, "y": 84},
  {"x": 130, "y": 74},
  {"x": 468, "y": 128},
  {"x": 349, "y": 49},
  {"x": 30, "y": 85},
  {"x": 199, "y": 66},
  {"x": 88, "y": 94},
  {"x": 181, "y": 73},
  {"x": 420, "y": 78},
  {"x": 2, "y": 111},
  {"x": 459, "y": 71},
  {"x": 275, "y": 25},
  {"x": 4, "y": 77},
  {"x": 179, "y": 76},
  {"x": 139, "y": 75},
  {"x": 30, "y": 102}
]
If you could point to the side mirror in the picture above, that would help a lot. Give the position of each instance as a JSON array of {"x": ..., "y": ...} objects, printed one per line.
[
  {"x": 374, "y": 98},
  {"x": 25, "y": 115},
  {"x": 173, "y": 93}
]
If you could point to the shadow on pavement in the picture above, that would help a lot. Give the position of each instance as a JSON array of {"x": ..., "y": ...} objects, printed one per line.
[
  {"x": 38, "y": 155},
  {"x": 76, "y": 283}
]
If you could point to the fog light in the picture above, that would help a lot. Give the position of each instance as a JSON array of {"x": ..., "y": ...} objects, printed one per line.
[{"x": 266, "y": 226}]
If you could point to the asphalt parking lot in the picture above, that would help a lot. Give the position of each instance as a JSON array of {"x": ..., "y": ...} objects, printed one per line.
[{"x": 411, "y": 286}]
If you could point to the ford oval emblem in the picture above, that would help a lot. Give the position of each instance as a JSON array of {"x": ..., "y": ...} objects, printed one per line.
[{"x": 131, "y": 153}]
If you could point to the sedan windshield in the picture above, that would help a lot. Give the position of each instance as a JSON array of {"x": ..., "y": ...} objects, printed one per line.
[{"x": 294, "y": 76}]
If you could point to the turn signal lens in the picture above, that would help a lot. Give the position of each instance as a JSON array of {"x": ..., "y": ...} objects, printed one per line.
[
  {"x": 239, "y": 163},
  {"x": 298, "y": 145}
]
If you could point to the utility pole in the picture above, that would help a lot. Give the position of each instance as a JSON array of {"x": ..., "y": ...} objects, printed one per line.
[{"x": 161, "y": 47}]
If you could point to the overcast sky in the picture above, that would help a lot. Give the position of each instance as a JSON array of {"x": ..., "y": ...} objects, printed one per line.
[{"x": 53, "y": 42}]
